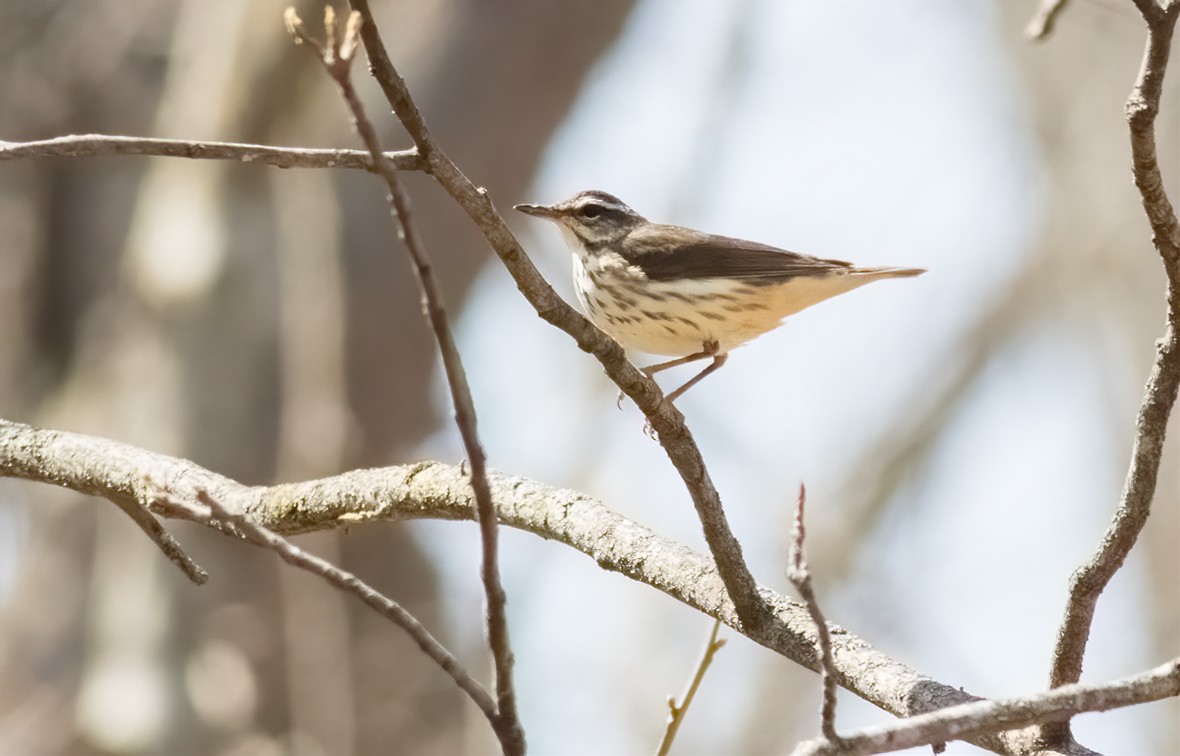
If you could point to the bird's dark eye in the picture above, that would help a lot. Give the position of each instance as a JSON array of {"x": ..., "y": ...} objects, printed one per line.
[{"x": 591, "y": 211}]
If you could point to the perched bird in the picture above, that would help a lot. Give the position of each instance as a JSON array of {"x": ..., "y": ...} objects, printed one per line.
[{"x": 682, "y": 293}]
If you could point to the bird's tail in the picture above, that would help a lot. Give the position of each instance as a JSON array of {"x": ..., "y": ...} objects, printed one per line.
[{"x": 888, "y": 272}]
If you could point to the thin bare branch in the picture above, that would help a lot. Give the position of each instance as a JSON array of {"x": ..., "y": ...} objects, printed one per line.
[
  {"x": 1041, "y": 25},
  {"x": 664, "y": 418},
  {"x": 1159, "y": 397},
  {"x": 800, "y": 577},
  {"x": 29, "y": 459},
  {"x": 105, "y": 145},
  {"x": 676, "y": 711},
  {"x": 961, "y": 722},
  {"x": 163, "y": 539},
  {"x": 203, "y": 507},
  {"x": 336, "y": 55}
]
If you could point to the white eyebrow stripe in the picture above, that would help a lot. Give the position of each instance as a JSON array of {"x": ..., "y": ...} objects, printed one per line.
[{"x": 593, "y": 199}]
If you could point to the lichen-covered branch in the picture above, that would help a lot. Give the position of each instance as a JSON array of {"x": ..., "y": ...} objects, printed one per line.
[
  {"x": 178, "y": 488},
  {"x": 961, "y": 722},
  {"x": 110, "y": 469}
]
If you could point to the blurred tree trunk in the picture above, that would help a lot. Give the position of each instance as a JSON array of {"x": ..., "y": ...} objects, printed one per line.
[{"x": 166, "y": 303}]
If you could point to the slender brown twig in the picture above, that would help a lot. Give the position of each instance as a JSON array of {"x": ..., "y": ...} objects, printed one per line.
[
  {"x": 163, "y": 539},
  {"x": 800, "y": 577},
  {"x": 963, "y": 721},
  {"x": 337, "y": 55},
  {"x": 676, "y": 711},
  {"x": 205, "y": 508},
  {"x": 1160, "y": 393},
  {"x": 1134, "y": 506},
  {"x": 665, "y": 419},
  {"x": 104, "y": 145}
]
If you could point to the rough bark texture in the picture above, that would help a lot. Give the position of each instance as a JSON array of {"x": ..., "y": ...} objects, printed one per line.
[{"x": 432, "y": 490}]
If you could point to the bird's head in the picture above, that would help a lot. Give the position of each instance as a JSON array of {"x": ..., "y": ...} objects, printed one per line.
[{"x": 592, "y": 218}]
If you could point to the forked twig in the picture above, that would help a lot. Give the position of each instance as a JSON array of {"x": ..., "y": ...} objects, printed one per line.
[
  {"x": 337, "y": 53},
  {"x": 1159, "y": 397}
]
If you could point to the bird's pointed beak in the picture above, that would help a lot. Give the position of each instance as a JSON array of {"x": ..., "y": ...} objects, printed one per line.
[{"x": 538, "y": 211}]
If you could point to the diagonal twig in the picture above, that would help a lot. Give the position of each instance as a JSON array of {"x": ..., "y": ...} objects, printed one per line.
[
  {"x": 208, "y": 510},
  {"x": 676, "y": 711},
  {"x": 37, "y": 461},
  {"x": 337, "y": 55},
  {"x": 163, "y": 539},
  {"x": 665, "y": 419},
  {"x": 105, "y": 145},
  {"x": 800, "y": 577}
]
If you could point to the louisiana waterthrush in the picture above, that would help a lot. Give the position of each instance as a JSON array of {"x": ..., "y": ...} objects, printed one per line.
[{"x": 682, "y": 293}]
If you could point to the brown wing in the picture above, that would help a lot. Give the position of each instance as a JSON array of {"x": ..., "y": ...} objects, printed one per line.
[{"x": 666, "y": 253}]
